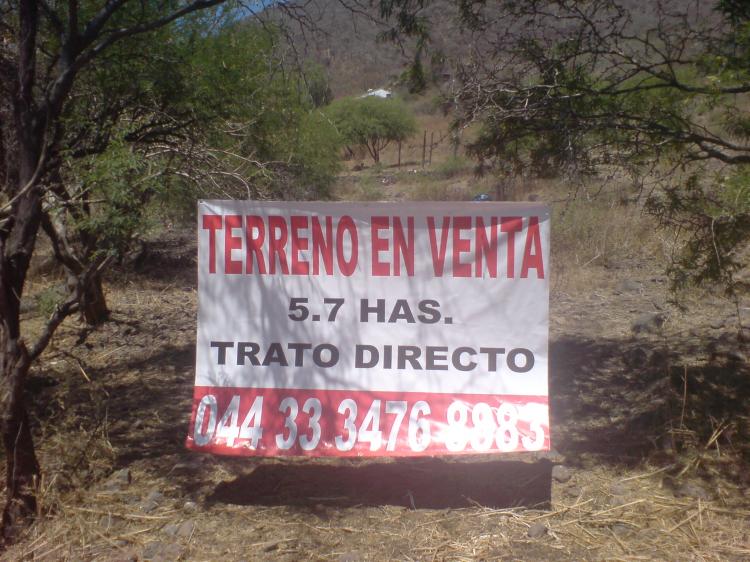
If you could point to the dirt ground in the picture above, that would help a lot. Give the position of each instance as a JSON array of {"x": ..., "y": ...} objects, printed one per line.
[{"x": 650, "y": 430}]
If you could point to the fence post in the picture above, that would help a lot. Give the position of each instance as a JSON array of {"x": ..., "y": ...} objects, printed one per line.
[
  {"x": 432, "y": 144},
  {"x": 424, "y": 147},
  {"x": 399, "y": 154}
]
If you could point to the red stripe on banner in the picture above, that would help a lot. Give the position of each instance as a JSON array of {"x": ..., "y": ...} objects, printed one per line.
[{"x": 354, "y": 423}]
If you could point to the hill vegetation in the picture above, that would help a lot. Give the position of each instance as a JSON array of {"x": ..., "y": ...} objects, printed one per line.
[{"x": 372, "y": 122}]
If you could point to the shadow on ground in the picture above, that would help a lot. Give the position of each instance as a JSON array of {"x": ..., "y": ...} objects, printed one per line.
[
  {"x": 622, "y": 400},
  {"x": 431, "y": 483},
  {"x": 625, "y": 400}
]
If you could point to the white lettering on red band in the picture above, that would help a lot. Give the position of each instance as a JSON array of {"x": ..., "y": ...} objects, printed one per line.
[{"x": 277, "y": 422}]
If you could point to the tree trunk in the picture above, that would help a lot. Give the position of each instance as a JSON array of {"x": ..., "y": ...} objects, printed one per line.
[
  {"x": 93, "y": 302},
  {"x": 21, "y": 465},
  {"x": 17, "y": 239}
]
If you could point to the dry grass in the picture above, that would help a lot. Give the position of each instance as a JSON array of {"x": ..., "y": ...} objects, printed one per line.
[
  {"x": 597, "y": 235},
  {"x": 121, "y": 397},
  {"x": 601, "y": 516},
  {"x": 606, "y": 511}
]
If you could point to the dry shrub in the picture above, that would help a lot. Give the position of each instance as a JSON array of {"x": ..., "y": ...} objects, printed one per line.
[
  {"x": 600, "y": 232},
  {"x": 453, "y": 166},
  {"x": 359, "y": 188},
  {"x": 426, "y": 104},
  {"x": 74, "y": 446},
  {"x": 427, "y": 188}
]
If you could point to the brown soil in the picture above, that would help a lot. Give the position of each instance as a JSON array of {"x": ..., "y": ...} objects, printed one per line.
[{"x": 653, "y": 428}]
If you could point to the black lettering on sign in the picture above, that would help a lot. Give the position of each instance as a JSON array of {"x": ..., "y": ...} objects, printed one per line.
[{"x": 513, "y": 360}]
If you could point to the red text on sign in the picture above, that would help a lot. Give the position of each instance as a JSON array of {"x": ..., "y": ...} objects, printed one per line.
[{"x": 460, "y": 246}]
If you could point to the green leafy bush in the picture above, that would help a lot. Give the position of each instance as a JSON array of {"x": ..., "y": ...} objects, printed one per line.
[{"x": 372, "y": 122}]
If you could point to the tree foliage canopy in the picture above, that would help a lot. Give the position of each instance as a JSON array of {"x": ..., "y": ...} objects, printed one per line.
[
  {"x": 372, "y": 122},
  {"x": 659, "y": 91},
  {"x": 105, "y": 107}
]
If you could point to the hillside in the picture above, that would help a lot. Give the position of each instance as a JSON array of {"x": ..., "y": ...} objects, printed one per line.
[
  {"x": 349, "y": 44},
  {"x": 349, "y": 41}
]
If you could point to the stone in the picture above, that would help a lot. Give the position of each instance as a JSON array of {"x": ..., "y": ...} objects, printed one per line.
[
  {"x": 537, "y": 530},
  {"x": 158, "y": 551},
  {"x": 123, "y": 557},
  {"x": 119, "y": 480},
  {"x": 618, "y": 489},
  {"x": 108, "y": 521},
  {"x": 692, "y": 490},
  {"x": 620, "y": 529},
  {"x": 651, "y": 534},
  {"x": 170, "y": 553},
  {"x": 123, "y": 476},
  {"x": 736, "y": 356},
  {"x": 561, "y": 473},
  {"x": 629, "y": 286},
  {"x": 130, "y": 499},
  {"x": 182, "y": 469},
  {"x": 190, "y": 506},
  {"x": 573, "y": 491},
  {"x": 636, "y": 358},
  {"x": 649, "y": 323},
  {"x": 151, "y": 502},
  {"x": 147, "y": 506},
  {"x": 350, "y": 557},
  {"x": 152, "y": 549},
  {"x": 170, "y": 529},
  {"x": 617, "y": 501},
  {"x": 186, "y": 529}
]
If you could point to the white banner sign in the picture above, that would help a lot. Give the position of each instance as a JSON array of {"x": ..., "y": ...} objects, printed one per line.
[{"x": 363, "y": 329}]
